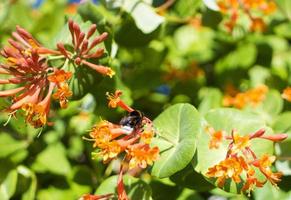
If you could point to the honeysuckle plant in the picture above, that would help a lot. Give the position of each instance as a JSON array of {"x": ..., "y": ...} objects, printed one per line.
[{"x": 143, "y": 100}]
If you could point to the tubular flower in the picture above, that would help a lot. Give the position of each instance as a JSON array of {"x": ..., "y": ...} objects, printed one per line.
[
  {"x": 142, "y": 156},
  {"x": 115, "y": 101},
  {"x": 241, "y": 160},
  {"x": 96, "y": 197},
  {"x": 113, "y": 140},
  {"x": 287, "y": 94},
  {"x": 85, "y": 48},
  {"x": 235, "y": 8},
  {"x": 110, "y": 150},
  {"x": 252, "y": 182},
  {"x": 26, "y": 66},
  {"x": 240, "y": 142},
  {"x": 216, "y": 137},
  {"x": 264, "y": 165},
  {"x": 191, "y": 72},
  {"x": 231, "y": 167},
  {"x": 251, "y": 97},
  {"x": 63, "y": 92}
]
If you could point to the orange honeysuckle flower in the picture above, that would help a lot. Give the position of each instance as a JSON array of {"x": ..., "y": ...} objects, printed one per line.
[
  {"x": 109, "y": 150},
  {"x": 190, "y": 73},
  {"x": 264, "y": 164},
  {"x": 142, "y": 156},
  {"x": 96, "y": 197},
  {"x": 115, "y": 101},
  {"x": 146, "y": 136},
  {"x": 239, "y": 143},
  {"x": 251, "y": 97},
  {"x": 252, "y": 182},
  {"x": 241, "y": 159},
  {"x": 121, "y": 193},
  {"x": 231, "y": 167},
  {"x": 27, "y": 68},
  {"x": 35, "y": 114},
  {"x": 225, "y": 5},
  {"x": 258, "y": 25},
  {"x": 216, "y": 139},
  {"x": 234, "y": 8},
  {"x": 63, "y": 93},
  {"x": 84, "y": 48},
  {"x": 104, "y": 132},
  {"x": 287, "y": 94},
  {"x": 60, "y": 76}
]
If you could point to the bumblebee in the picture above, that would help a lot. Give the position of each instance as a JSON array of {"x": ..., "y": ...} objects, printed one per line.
[{"x": 132, "y": 121}]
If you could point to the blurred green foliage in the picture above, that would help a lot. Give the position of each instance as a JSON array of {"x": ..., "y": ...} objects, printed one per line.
[{"x": 160, "y": 60}]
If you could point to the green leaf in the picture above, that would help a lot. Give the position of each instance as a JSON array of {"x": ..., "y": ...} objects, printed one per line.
[
  {"x": 229, "y": 119},
  {"x": 241, "y": 58},
  {"x": 165, "y": 189},
  {"x": 9, "y": 145},
  {"x": 146, "y": 19},
  {"x": 189, "y": 178},
  {"x": 284, "y": 30},
  {"x": 186, "y": 8},
  {"x": 282, "y": 125},
  {"x": 83, "y": 80},
  {"x": 193, "y": 43},
  {"x": 136, "y": 189},
  {"x": 187, "y": 194},
  {"x": 53, "y": 159},
  {"x": 210, "y": 98},
  {"x": 271, "y": 192},
  {"x": 285, "y": 6},
  {"x": 8, "y": 186},
  {"x": 129, "y": 35},
  {"x": 29, "y": 194},
  {"x": 270, "y": 107},
  {"x": 178, "y": 129}
]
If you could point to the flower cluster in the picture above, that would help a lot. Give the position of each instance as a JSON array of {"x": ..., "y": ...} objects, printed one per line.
[
  {"x": 287, "y": 94},
  {"x": 251, "y": 97},
  {"x": 28, "y": 68},
  {"x": 130, "y": 138},
  {"x": 235, "y": 8},
  {"x": 85, "y": 48},
  {"x": 190, "y": 73},
  {"x": 241, "y": 161}
]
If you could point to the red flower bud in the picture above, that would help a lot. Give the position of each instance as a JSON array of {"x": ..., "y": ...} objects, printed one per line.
[{"x": 276, "y": 137}]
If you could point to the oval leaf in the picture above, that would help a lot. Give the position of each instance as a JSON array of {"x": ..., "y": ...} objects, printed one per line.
[{"x": 178, "y": 128}]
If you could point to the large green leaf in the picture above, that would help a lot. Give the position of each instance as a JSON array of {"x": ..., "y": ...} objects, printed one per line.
[
  {"x": 178, "y": 129},
  {"x": 229, "y": 119}
]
